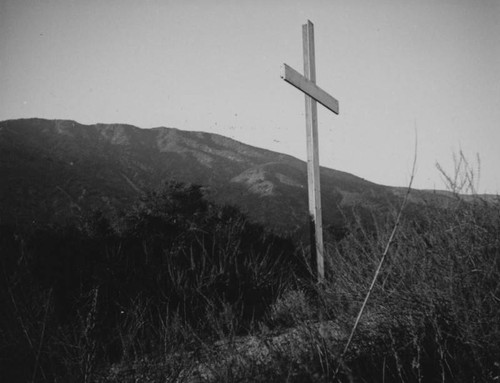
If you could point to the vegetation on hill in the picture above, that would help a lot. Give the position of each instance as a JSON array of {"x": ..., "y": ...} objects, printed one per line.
[{"x": 179, "y": 289}]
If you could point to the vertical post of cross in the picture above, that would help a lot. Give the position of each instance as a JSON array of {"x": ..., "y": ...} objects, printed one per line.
[
  {"x": 313, "y": 170},
  {"x": 313, "y": 94}
]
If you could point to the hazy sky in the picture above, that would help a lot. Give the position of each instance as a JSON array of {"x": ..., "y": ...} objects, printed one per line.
[{"x": 214, "y": 66}]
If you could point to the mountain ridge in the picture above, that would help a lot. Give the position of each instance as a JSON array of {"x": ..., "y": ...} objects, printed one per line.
[{"x": 58, "y": 169}]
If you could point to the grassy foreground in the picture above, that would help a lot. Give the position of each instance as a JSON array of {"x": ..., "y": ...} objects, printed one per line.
[{"x": 180, "y": 290}]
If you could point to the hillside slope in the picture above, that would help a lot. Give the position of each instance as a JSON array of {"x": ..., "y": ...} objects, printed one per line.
[{"x": 55, "y": 170}]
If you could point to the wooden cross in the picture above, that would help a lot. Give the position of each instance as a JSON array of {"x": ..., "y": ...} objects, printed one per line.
[{"x": 313, "y": 93}]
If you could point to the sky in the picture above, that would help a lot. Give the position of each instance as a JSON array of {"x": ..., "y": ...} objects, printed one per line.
[{"x": 402, "y": 70}]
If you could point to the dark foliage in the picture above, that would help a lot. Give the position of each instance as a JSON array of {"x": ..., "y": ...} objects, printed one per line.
[
  {"x": 162, "y": 292},
  {"x": 73, "y": 296}
]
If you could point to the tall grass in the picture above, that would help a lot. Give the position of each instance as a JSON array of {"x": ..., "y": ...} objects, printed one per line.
[
  {"x": 437, "y": 295},
  {"x": 171, "y": 275},
  {"x": 434, "y": 311},
  {"x": 181, "y": 290}
]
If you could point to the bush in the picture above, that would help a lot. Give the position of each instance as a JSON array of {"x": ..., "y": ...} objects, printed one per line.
[{"x": 79, "y": 298}]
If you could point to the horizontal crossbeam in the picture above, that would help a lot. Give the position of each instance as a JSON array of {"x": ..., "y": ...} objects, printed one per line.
[{"x": 294, "y": 78}]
